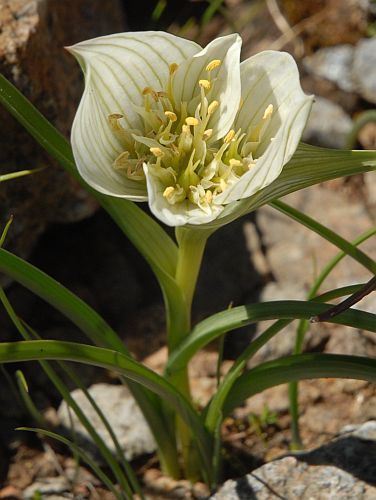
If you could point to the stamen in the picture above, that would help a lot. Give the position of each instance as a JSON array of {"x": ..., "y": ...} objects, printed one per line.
[
  {"x": 205, "y": 84},
  {"x": 190, "y": 120},
  {"x": 235, "y": 163},
  {"x": 207, "y": 134},
  {"x": 213, "y": 64},
  {"x": 230, "y": 135},
  {"x": 174, "y": 194},
  {"x": 173, "y": 67},
  {"x": 212, "y": 107},
  {"x": 209, "y": 196},
  {"x": 268, "y": 112},
  {"x": 171, "y": 115},
  {"x": 157, "y": 152},
  {"x": 150, "y": 91}
]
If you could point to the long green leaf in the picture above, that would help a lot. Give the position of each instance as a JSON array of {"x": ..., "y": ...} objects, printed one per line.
[
  {"x": 298, "y": 367},
  {"x": 83, "y": 455},
  {"x": 213, "y": 410},
  {"x": 129, "y": 368},
  {"x": 326, "y": 233},
  {"x": 310, "y": 165},
  {"x": 53, "y": 292},
  {"x": 64, "y": 392},
  {"x": 97, "y": 330},
  {"x": 240, "y": 316}
]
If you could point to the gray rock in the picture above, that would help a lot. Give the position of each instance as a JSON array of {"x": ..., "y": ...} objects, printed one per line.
[
  {"x": 49, "y": 488},
  {"x": 334, "y": 64},
  {"x": 328, "y": 125},
  {"x": 344, "y": 469},
  {"x": 352, "y": 69},
  {"x": 364, "y": 69},
  {"x": 122, "y": 413}
]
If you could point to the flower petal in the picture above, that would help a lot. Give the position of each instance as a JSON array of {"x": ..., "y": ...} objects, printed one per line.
[
  {"x": 117, "y": 68},
  {"x": 179, "y": 214},
  {"x": 270, "y": 78},
  {"x": 226, "y": 81}
]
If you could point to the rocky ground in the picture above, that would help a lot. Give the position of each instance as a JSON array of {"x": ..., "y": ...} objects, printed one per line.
[{"x": 275, "y": 259}]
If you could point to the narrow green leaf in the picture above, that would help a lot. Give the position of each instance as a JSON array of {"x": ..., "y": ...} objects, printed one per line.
[
  {"x": 62, "y": 299},
  {"x": 327, "y": 234},
  {"x": 96, "y": 329},
  {"x": 129, "y": 368},
  {"x": 240, "y": 316},
  {"x": 65, "y": 394},
  {"x": 19, "y": 173},
  {"x": 83, "y": 455},
  {"x": 298, "y": 367}
]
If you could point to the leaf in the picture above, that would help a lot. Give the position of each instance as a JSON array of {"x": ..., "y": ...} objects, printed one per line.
[
  {"x": 326, "y": 233},
  {"x": 210, "y": 328},
  {"x": 129, "y": 368},
  {"x": 94, "y": 326},
  {"x": 83, "y": 455},
  {"x": 298, "y": 367}
]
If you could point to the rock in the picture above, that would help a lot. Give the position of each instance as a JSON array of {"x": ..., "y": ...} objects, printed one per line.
[
  {"x": 344, "y": 469},
  {"x": 48, "y": 488},
  {"x": 123, "y": 415},
  {"x": 32, "y": 39},
  {"x": 352, "y": 69},
  {"x": 334, "y": 64},
  {"x": 364, "y": 69},
  {"x": 328, "y": 125}
]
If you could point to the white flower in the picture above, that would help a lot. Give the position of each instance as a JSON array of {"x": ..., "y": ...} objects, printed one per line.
[{"x": 188, "y": 129}]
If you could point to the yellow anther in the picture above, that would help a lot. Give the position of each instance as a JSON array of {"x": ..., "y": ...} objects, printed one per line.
[
  {"x": 223, "y": 184},
  {"x": 150, "y": 91},
  {"x": 115, "y": 116},
  {"x": 205, "y": 84},
  {"x": 212, "y": 107},
  {"x": 173, "y": 67},
  {"x": 162, "y": 94},
  {"x": 190, "y": 120},
  {"x": 171, "y": 115},
  {"x": 213, "y": 64},
  {"x": 268, "y": 112},
  {"x": 209, "y": 196},
  {"x": 168, "y": 192},
  {"x": 207, "y": 134},
  {"x": 235, "y": 163},
  {"x": 157, "y": 152},
  {"x": 229, "y": 136}
]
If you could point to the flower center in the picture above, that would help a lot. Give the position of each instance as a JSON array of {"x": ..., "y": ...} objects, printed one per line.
[{"x": 177, "y": 146}]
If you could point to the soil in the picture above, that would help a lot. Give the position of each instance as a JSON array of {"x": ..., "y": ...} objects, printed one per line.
[{"x": 250, "y": 438}]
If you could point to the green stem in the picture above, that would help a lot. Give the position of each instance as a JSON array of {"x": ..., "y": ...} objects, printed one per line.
[{"x": 191, "y": 248}]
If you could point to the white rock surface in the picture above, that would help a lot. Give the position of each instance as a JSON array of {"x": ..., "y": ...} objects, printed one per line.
[
  {"x": 364, "y": 69},
  {"x": 122, "y": 413},
  {"x": 344, "y": 469},
  {"x": 328, "y": 125}
]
